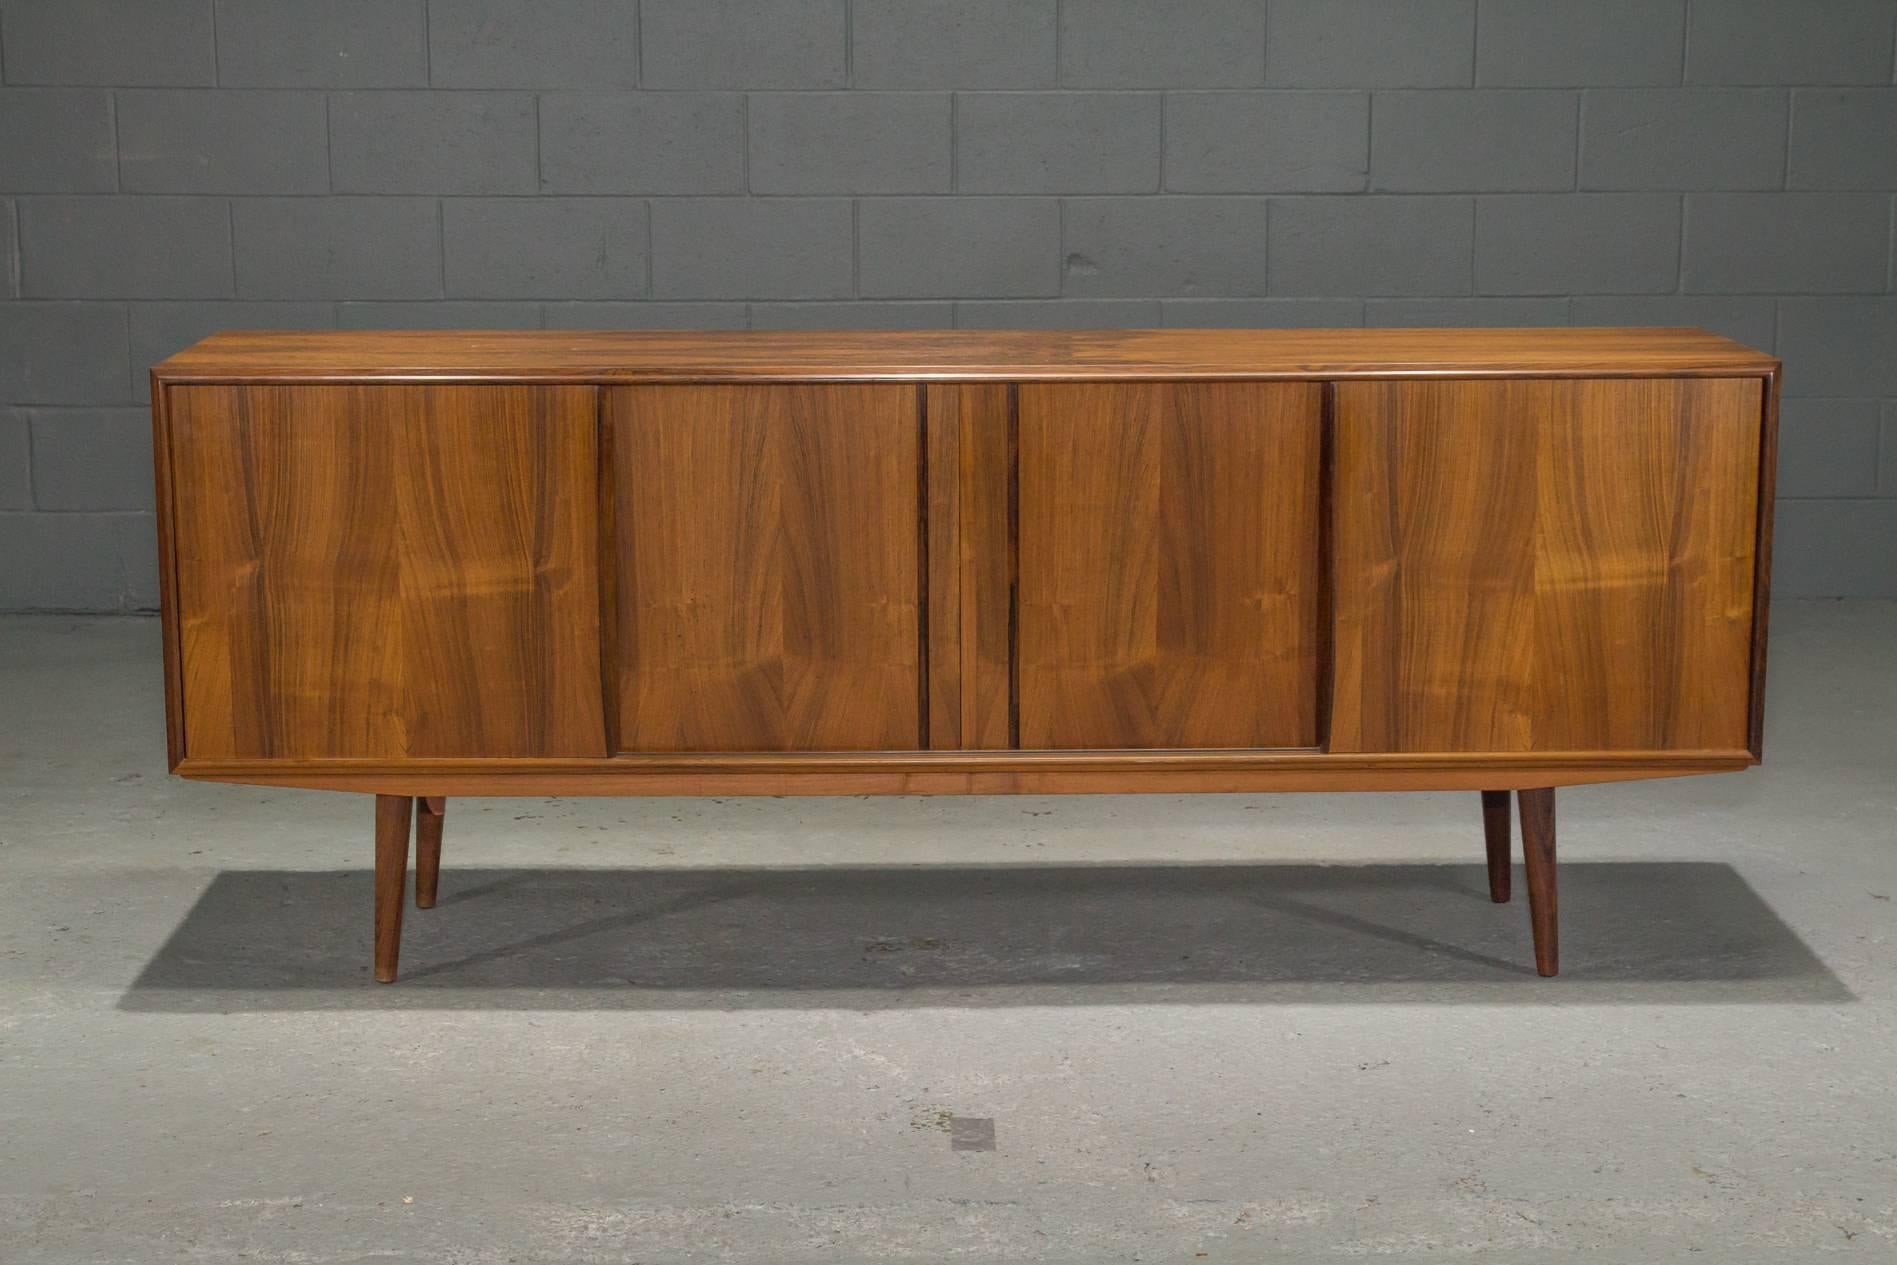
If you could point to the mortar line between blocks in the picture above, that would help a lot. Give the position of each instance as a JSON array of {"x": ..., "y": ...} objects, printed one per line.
[
  {"x": 955, "y": 110},
  {"x": 118, "y": 159},
  {"x": 1475, "y": 40},
  {"x": 32, "y": 492},
  {"x": 1686, "y": 36}
]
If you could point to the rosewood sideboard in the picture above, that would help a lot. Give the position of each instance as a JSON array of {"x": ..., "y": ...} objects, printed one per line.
[{"x": 424, "y": 565}]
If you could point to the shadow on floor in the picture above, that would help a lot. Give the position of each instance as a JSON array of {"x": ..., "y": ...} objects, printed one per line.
[{"x": 1634, "y": 932}]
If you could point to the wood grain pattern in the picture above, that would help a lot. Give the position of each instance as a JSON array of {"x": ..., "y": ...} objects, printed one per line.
[
  {"x": 384, "y": 571},
  {"x": 970, "y": 567},
  {"x": 770, "y": 584},
  {"x": 950, "y": 355},
  {"x": 1545, "y": 565},
  {"x": 1168, "y": 565}
]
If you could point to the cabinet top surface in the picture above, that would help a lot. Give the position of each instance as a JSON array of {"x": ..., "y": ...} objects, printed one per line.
[{"x": 668, "y": 356}]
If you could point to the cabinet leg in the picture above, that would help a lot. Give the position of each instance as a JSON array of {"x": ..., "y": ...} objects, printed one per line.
[
  {"x": 391, "y": 877},
  {"x": 1495, "y": 830},
  {"x": 1537, "y": 808},
  {"x": 428, "y": 822}
]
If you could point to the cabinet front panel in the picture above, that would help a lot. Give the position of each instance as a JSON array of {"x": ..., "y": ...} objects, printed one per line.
[
  {"x": 1168, "y": 557},
  {"x": 383, "y": 572},
  {"x": 1545, "y": 565},
  {"x": 971, "y": 553},
  {"x": 769, "y": 569}
]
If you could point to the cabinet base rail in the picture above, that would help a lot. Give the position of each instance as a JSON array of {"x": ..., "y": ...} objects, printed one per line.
[{"x": 394, "y": 813}]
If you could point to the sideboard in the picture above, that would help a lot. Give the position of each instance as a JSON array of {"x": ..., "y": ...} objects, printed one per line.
[{"x": 425, "y": 565}]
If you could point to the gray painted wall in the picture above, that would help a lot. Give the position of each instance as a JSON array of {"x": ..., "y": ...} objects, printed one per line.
[{"x": 170, "y": 167}]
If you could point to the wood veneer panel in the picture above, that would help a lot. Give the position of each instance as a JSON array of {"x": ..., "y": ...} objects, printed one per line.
[
  {"x": 1433, "y": 575},
  {"x": 769, "y": 573},
  {"x": 500, "y": 570},
  {"x": 970, "y": 567},
  {"x": 1545, "y": 565},
  {"x": 386, "y": 571},
  {"x": 1013, "y": 355},
  {"x": 1168, "y": 565}
]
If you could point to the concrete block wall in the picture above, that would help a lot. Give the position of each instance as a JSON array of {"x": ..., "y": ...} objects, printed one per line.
[{"x": 170, "y": 167}]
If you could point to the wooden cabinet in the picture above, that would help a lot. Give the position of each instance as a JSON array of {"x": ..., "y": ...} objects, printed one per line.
[
  {"x": 426, "y": 565},
  {"x": 972, "y": 562}
]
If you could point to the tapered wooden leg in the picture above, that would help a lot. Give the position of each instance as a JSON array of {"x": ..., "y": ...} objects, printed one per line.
[
  {"x": 1537, "y": 808},
  {"x": 428, "y": 822},
  {"x": 391, "y": 878},
  {"x": 1495, "y": 830}
]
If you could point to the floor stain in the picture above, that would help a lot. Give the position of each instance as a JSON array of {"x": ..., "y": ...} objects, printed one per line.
[{"x": 971, "y": 1133}]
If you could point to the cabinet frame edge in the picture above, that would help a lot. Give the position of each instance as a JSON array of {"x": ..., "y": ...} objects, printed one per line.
[
  {"x": 168, "y": 598},
  {"x": 1766, "y": 490},
  {"x": 963, "y": 773}
]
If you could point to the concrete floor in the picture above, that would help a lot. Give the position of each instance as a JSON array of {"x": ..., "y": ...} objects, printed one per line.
[{"x": 1227, "y": 1028}]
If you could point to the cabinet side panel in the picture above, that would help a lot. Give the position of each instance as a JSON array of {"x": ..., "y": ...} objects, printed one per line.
[
  {"x": 1168, "y": 555},
  {"x": 769, "y": 581},
  {"x": 386, "y": 572},
  {"x": 167, "y": 575},
  {"x": 1544, "y": 565},
  {"x": 1762, "y": 563}
]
